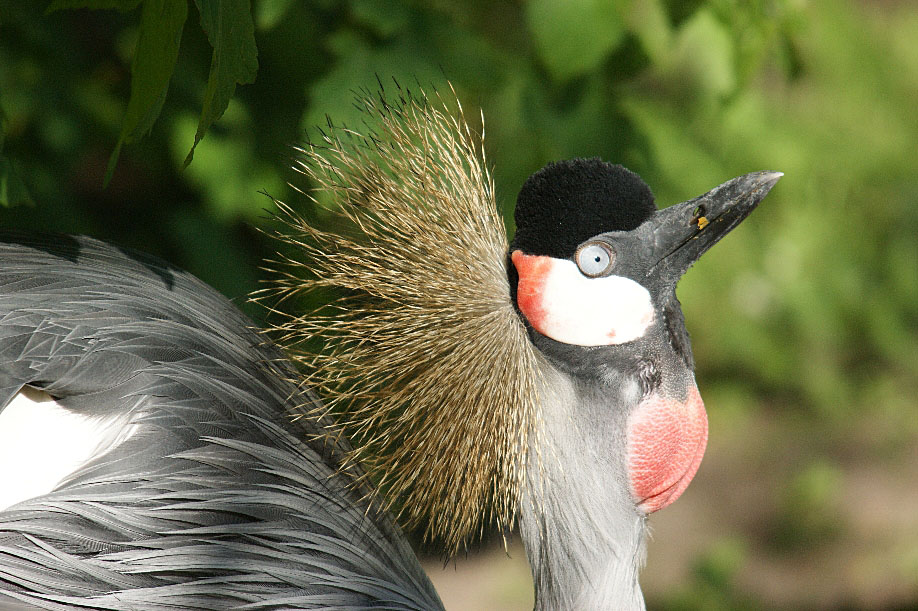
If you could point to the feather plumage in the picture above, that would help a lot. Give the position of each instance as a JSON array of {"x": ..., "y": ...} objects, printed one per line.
[
  {"x": 216, "y": 501},
  {"x": 439, "y": 406}
]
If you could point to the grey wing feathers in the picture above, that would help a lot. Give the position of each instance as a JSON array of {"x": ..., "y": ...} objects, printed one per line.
[{"x": 215, "y": 501}]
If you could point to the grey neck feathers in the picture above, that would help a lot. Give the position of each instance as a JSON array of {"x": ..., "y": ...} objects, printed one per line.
[{"x": 582, "y": 533}]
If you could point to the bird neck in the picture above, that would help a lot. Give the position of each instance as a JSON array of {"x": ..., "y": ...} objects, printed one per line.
[{"x": 583, "y": 534}]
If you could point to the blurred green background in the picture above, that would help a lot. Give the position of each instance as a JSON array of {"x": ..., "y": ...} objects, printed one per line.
[{"x": 804, "y": 321}]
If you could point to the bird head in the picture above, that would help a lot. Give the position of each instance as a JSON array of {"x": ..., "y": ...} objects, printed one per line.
[
  {"x": 593, "y": 270},
  {"x": 595, "y": 263}
]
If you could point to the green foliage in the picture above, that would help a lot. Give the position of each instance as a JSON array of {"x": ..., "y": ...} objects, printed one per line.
[
  {"x": 713, "y": 588},
  {"x": 120, "y": 5},
  {"x": 810, "y": 507},
  {"x": 269, "y": 12},
  {"x": 12, "y": 190},
  {"x": 573, "y": 38},
  {"x": 161, "y": 24},
  {"x": 231, "y": 33}
]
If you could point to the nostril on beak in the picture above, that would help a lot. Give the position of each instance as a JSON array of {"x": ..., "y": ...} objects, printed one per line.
[{"x": 699, "y": 218}]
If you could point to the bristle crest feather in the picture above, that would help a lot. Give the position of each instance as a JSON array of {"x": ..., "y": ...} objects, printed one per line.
[{"x": 423, "y": 360}]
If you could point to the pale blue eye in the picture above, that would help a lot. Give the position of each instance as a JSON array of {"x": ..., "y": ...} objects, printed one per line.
[{"x": 594, "y": 259}]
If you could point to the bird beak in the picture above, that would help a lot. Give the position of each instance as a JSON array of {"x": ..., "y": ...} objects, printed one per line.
[{"x": 684, "y": 232}]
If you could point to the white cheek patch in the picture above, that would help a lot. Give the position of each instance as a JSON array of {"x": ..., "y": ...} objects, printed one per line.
[
  {"x": 565, "y": 305},
  {"x": 41, "y": 443}
]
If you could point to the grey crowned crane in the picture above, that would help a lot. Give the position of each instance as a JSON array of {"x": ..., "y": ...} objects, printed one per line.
[{"x": 158, "y": 453}]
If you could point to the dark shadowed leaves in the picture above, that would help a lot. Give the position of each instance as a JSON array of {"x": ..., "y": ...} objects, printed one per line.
[
  {"x": 231, "y": 32},
  {"x": 161, "y": 24},
  {"x": 120, "y": 5},
  {"x": 12, "y": 190},
  {"x": 575, "y": 36}
]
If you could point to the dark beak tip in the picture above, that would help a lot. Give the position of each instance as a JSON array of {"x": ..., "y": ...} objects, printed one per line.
[
  {"x": 758, "y": 185},
  {"x": 713, "y": 216},
  {"x": 686, "y": 231},
  {"x": 767, "y": 180},
  {"x": 745, "y": 192}
]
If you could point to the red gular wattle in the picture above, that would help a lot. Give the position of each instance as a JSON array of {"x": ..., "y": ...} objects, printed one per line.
[{"x": 666, "y": 441}]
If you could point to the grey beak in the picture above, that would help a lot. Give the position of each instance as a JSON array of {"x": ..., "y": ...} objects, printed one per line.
[{"x": 684, "y": 232}]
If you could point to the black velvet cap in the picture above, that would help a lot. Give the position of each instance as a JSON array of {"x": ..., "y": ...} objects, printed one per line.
[{"x": 567, "y": 202}]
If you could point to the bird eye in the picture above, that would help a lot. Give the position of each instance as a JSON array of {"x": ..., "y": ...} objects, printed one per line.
[{"x": 594, "y": 259}]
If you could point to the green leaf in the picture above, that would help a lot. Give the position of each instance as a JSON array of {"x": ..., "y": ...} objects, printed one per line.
[
  {"x": 361, "y": 65},
  {"x": 573, "y": 37},
  {"x": 269, "y": 13},
  {"x": 706, "y": 55},
  {"x": 161, "y": 23},
  {"x": 112, "y": 162},
  {"x": 231, "y": 32},
  {"x": 385, "y": 16},
  {"x": 13, "y": 191},
  {"x": 648, "y": 21},
  {"x": 120, "y": 5}
]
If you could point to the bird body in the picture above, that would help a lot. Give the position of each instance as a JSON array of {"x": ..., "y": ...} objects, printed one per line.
[
  {"x": 49, "y": 442},
  {"x": 548, "y": 382},
  {"x": 208, "y": 496}
]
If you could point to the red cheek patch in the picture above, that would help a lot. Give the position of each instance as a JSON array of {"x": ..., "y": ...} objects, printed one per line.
[
  {"x": 533, "y": 274},
  {"x": 666, "y": 440}
]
